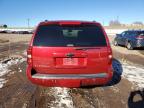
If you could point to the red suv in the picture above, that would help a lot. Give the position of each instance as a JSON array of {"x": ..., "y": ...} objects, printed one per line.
[{"x": 69, "y": 54}]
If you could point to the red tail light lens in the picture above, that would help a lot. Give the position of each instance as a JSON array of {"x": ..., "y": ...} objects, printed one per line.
[
  {"x": 140, "y": 37},
  {"x": 110, "y": 55},
  {"x": 29, "y": 55}
]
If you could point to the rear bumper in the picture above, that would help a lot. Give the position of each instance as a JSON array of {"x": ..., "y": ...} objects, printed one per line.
[
  {"x": 139, "y": 43},
  {"x": 69, "y": 80}
]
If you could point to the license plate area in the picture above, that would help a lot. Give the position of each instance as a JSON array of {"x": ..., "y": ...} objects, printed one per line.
[{"x": 70, "y": 62}]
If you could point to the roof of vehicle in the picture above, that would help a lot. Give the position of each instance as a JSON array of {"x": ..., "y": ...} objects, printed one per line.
[
  {"x": 61, "y": 22},
  {"x": 135, "y": 30}
]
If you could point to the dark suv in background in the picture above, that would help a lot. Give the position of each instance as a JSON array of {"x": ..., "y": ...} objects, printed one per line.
[{"x": 131, "y": 39}]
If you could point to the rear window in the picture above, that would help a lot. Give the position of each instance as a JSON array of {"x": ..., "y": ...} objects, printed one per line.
[
  {"x": 82, "y": 35},
  {"x": 141, "y": 33}
]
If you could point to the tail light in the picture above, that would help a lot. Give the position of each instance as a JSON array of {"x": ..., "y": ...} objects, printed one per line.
[
  {"x": 29, "y": 55},
  {"x": 110, "y": 56},
  {"x": 140, "y": 37}
]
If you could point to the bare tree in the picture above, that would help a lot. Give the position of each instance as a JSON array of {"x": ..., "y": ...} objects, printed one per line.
[
  {"x": 138, "y": 23},
  {"x": 114, "y": 23}
]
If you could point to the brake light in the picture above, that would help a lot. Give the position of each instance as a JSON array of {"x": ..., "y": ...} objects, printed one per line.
[
  {"x": 29, "y": 55},
  {"x": 140, "y": 37},
  {"x": 69, "y": 23},
  {"x": 110, "y": 56}
]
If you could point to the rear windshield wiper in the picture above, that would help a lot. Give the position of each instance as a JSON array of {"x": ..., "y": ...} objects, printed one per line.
[{"x": 85, "y": 48}]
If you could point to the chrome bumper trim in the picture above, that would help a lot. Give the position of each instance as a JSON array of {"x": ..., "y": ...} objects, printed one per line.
[{"x": 69, "y": 76}]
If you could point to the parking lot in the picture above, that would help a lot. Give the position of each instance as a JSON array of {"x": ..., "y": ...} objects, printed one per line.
[{"x": 126, "y": 90}]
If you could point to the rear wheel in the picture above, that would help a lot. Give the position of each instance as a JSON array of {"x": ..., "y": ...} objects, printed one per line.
[{"x": 129, "y": 46}]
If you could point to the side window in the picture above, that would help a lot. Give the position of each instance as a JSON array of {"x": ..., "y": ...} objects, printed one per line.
[
  {"x": 133, "y": 34},
  {"x": 129, "y": 34},
  {"x": 141, "y": 33},
  {"x": 123, "y": 33}
]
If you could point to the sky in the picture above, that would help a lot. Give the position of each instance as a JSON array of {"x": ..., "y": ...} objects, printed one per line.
[{"x": 15, "y": 13}]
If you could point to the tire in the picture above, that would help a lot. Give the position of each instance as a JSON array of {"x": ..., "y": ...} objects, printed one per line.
[
  {"x": 129, "y": 46},
  {"x": 115, "y": 43}
]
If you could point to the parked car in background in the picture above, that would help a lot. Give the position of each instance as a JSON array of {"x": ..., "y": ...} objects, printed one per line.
[
  {"x": 3, "y": 31},
  {"x": 130, "y": 39},
  {"x": 69, "y": 54},
  {"x": 17, "y": 31},
  {"x": 23, "y": 32}
]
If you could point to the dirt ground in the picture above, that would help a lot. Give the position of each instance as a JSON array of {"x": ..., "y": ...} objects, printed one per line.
[
  {"x": 15, "y": 37},
  {"x": 19, "y": 92}
]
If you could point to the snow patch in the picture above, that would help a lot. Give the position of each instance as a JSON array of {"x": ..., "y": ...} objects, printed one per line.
[
  {"x": 4, "y": 68},
  {"x": 2, "y": 81},
  {"x": 63, "y": 98},
  {"x": 132, "y": 72}
]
